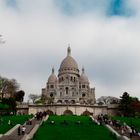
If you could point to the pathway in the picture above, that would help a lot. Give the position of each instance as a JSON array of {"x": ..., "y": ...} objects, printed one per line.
[
  {"x": 126, "y": 134},
  {"x": 15, "y": 136}
]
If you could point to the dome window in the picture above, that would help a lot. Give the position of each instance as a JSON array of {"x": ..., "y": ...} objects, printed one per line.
[
  {"x": 62, "y": 78},
  {"x": 83, "y": 86},
  {"x": 67, "y": 89},
  {"x": 83, "y": 95},
  {"x": 59, "y": 79},
  {"x": 72, "y": 93},
  {"x": 51, "y": 95}
]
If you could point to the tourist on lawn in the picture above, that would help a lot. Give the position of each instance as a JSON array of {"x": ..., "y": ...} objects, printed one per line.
[
  {"x": 1, "y": 121},
  {"x": 9, "y": 122}
]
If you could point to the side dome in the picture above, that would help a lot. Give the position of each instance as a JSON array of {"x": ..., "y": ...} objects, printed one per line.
[
  {"x": 69, "y": 65},
  {"x": 83, "y": 77},
  {"x": 52, "y": 78}
]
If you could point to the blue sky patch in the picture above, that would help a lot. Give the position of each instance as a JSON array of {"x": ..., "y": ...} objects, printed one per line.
[
  {"x": 119, "y": 8},
  {"x": 11, "y": 3},
  {"x": 77, "y": 7},
  {"x": 108, "y": 7}
]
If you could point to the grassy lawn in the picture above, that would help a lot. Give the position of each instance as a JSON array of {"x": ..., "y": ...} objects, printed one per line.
[
  {"x": 16, "y": 119},
  {"x": 86, "y": 130},
  {"x": 129, "y": 121}
]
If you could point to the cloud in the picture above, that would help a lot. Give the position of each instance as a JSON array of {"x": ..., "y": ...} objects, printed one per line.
[{"x": 37, "y": 33}]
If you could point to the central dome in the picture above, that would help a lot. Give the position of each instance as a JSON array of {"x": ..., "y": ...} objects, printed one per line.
[
  {"x": 68, "y": 65},
  {"x": 69, "y": 62}
]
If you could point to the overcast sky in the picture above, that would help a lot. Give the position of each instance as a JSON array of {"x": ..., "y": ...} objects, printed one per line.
[{"x": 104, "y": 36}]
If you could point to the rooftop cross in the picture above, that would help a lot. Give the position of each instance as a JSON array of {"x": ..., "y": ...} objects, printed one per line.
[
  {"x": 68, "y": 50},
  {"x": 53, "y": 70},
  {"x": 83, "y": 70}
]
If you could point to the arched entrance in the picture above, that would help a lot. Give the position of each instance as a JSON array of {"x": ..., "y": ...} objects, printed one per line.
[
  {"x": 72, "y": 101},
  {"x": 49, "y": 112},
  {"x": 67, "y": 90},
  {"x": 86, "y": 113},
  {"x": 59, "y": 101},
  {"x": 66, "y": 101},
  {"x": 68, "y": 112}
]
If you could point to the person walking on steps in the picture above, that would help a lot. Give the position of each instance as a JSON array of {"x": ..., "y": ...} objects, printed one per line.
[
  {"x": 23, "y": 129},
  {"x": 19, "y": 130}
]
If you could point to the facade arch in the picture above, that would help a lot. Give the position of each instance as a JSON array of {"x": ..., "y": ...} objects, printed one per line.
[
  {"x": 86, "y": 113},
  {"x": 59, "y": 101},
  {"x": 68, "y": 112},
  {"x": 72, "y": 101},
  {"x": 66, "y": 101},
  {"x": 49, "y": 112}
]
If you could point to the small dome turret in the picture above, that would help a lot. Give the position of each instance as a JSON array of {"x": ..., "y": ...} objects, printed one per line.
[
  {"x": 52, "y": 78},
  {"x": 83, "y": 77}
]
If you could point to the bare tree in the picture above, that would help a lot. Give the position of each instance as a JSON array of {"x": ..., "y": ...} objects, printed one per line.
[
  {"x": 108, "y": 100},
  {"x": 8, "y": 87},
  {"x": 34, "y": 97}
]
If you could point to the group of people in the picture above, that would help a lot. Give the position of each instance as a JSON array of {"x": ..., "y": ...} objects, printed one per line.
[
  {"x": 133, "y": 132},
  {"x": 21, "y": 130},
  {"x": 123, "y": 128},
  {"x": 40, "y": 115}
]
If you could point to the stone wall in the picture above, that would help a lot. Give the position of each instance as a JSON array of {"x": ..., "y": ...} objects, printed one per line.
[
  {"x": 74, "y": 109},
  {"x": 60, "y": 109}
]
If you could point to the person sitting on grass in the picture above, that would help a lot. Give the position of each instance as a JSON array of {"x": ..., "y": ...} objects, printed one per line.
[
  {"x": 78, "y": 122},
  {"x": 52, "y": 122},
  {"x": 9, "y": 122},
  {"x": 1, "y": 121},
  {"x": 64, "y": 122}
]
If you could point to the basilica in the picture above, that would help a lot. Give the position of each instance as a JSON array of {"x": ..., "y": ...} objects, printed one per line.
[{"x": 70, "y": 86}]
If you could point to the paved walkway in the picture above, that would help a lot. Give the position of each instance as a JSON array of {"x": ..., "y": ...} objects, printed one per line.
[
  {"x": 119, "y": 132},
  {"x": 126, "y": 134},
  {"x": 15, "y": 136}
]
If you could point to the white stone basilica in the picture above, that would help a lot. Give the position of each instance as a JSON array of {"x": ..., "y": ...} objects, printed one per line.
[{"x": 69, "y": 87}]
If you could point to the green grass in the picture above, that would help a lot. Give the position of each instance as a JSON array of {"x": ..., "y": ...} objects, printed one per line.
[
  {"x": 129, "y": 121},
  {"x": 15, "y": 119},
  {"x": 86, "y": 130}
]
